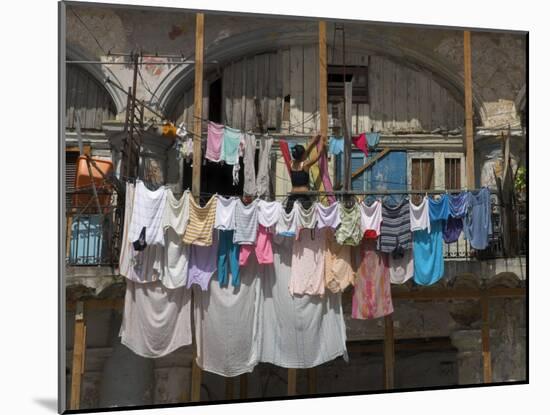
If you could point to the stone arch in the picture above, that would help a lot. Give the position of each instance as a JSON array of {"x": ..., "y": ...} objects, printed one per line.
[
  {"x": 100, "y": 73},
  {"x": 181, "y": 77}
]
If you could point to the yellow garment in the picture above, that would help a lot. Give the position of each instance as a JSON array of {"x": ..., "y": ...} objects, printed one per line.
[
  {"x": 201, "y": 223},
  {"x": 315, "y": 177},
  {"x": 338, "y": 268},
  {"x": 169, "y": 130}
]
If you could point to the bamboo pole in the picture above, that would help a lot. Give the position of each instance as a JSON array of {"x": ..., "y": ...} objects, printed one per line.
[{"x": 468, "y": 111}]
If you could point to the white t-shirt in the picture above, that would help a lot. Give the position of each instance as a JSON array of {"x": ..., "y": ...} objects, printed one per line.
[
  {"x": 138, "y": 266},
  {"x": 156, "y": 321},
  {"x": 371, "y": 217},
  {"x": 328, "y": 216},
  {"x": 420, "y": 215},
  {"x": 269, "y": 213},
  {"x": 225, "y": 213},
  {"x": 176, "y": 212},
  {"x": 148, "y": 212}
]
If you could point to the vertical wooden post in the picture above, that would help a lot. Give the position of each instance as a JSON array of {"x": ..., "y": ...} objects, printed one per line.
[
  {"x": 196, "y": 374},
  {"x": 243, "y": 387},
  {"x": 79, "y": 351},
  {"x": 348, "y": 94},
  {"x": 196, "y": 379},
  {"x": 291, "y": 391},
  {"x": 197, "y": 122},
  {"x": 228, "y": 388},
  {"x": 485, "y": 339},
  {"x": 468, "y": 111},
  {"x": 312, "y": 380},
  {"x": 323, "y": 93},
  {"x": 389, "y": 352}
]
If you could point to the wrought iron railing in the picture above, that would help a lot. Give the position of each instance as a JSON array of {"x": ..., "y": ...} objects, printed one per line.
[
  {"x": 94, "y": 226},
  {"x": 502, "y": 243}
]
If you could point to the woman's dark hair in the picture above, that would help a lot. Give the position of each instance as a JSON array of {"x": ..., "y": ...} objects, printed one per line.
[{"x": 298, "y": 152}]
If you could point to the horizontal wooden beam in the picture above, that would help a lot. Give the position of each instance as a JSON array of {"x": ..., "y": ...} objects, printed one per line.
[
  {"x": 98, "y": 304},
  {"x": 458, "y": 294}
]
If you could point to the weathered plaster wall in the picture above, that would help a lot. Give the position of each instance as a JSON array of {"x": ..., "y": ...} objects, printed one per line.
[{"x": 498, "y": 59}]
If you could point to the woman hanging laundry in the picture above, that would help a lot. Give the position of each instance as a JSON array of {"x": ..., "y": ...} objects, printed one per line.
[{"x": 299, "y": 172}]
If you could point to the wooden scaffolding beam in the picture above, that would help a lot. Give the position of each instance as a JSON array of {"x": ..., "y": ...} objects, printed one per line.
[
  {"x": 197, "y": 122},
  {"x": 291, "y": 383},
  {"x": 468, "y": 111},
  {"x": 196, "y": 373},
  {"x": 79, "y": 355},
  {"x": 243, "y": 387},
  {"x": 389, "y": 352},
  {"x": 323, "y": 92},
  {"x": 485, "y": 339}
]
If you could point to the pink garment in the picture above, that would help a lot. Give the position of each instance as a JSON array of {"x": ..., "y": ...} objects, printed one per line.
[
  {"x": 323, "y": 171},
  {"x": 283, "y": 145},
  {"x": 307, "y": 271},
  {"x": 263, "y": 248},
  {"x": 372, "y": 290},
  {"x": 360, "y": 142},
  {"x": 214, "y": 141}
]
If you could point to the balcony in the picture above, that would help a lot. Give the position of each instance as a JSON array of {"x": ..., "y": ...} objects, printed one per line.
[{"x": 94, "y": 227}]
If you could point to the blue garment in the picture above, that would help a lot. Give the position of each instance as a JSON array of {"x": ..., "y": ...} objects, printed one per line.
[
  {"x": 372, "y": 140},
  {"x": 336, "y": 145},
  {"x": 458, "y": 204},
  {"x": 477, "y": 222},
  {"x": 439, "y": 209},
  {"x": 429, "y": 265},
  {"x": 228, "y": 255},
  {"x": 452, "y": 230},
  {"x": 230, "y": 145}
]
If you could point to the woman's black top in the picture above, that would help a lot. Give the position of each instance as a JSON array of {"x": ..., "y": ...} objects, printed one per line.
[{"x": 299, "y": 178}]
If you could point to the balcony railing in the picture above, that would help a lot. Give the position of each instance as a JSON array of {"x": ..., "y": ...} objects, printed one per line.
[
  {"x": 498, "y": 247},
  {"x": 94, "y": 226}
]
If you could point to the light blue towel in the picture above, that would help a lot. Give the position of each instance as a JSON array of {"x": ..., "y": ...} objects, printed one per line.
[
  {"x": 429, "y": 265},
  {"x": 230, "y": 145},
  {"x": 336, "y": 145},
  {"x": 372, "y": 140}
]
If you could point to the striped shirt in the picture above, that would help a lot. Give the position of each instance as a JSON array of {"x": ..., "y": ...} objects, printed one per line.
[
  {"x": 201, "y": 223},
  {"x": 246, "y": 223},
  {"x": 395, "y": 231}
]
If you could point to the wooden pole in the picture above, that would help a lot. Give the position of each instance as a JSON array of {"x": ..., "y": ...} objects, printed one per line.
[
  {"x": 196, "y": 374},
  {"x": 347, "y": 134},
  {"x": 485, "y": 340},
  {"x": 312, "y": 380},
  {"x": 468, "y": 115},
  {"x": 228, "y": 388},
  {"x": 196, "y": 379},
  {"x": 79, "y": 350},
  {"x": 197, "y": 125},
  {"x": 291, "y": 382},
  {"x": 243, "y": 387},
  {"x": 389, "y": 352},
  {"x": 323, "y": 93}
]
